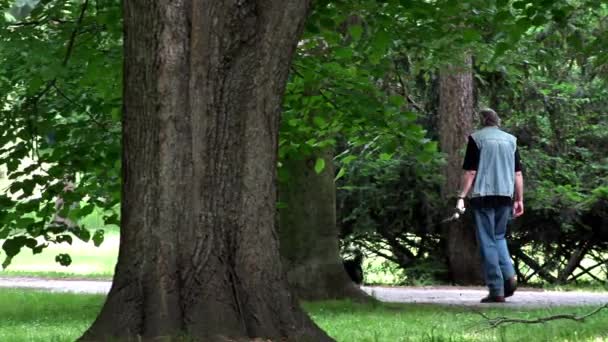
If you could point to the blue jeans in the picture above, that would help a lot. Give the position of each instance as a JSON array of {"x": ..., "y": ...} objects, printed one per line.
[{"x": 491, "y": 229}]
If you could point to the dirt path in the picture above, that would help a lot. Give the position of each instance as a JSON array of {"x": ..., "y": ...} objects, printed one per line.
[
  {"x": 470, "y": 296},
  {"x": 55, "y": 285},
  {"x": 467, "y": 296}
]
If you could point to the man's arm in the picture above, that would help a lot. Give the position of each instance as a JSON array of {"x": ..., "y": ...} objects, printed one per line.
[
  {"x": 470, "y": 164},
  {"x": 518, "y": 205},
  {"x": 466, "y": 183}
]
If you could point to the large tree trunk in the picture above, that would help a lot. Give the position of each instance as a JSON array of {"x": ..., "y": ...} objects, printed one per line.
[
  {"x": 455, "y": 125},
  {"x": 309, "y": 234},
  {"x": 199, "y": 253}
]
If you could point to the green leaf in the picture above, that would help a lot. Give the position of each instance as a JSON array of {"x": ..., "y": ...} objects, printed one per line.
[
  {"x": 519, "y": 4},
  {"x": 319, "y": 165},
  {"x": 12, "y": 247},
  {"x": 327, "y": 23},
  {"x": 111, "y": 219},
  {"x": 4, "y": 232},
  {"x": 340, "y": 174},
  {"x": 98, "y": 237},
  {"x": 355, "y": 31},
  {"x": 344, "y": 52},
  {"x": 430, "y": 146},
  {"x": 425, "y": 157},
  {"x": 9, "y": 17},
  {"x": 385, "y": 156},
  {"x": 559, "y": 15},
  {"x": 500, "y": 49},
  {"x": 319, "y": 121},
  {"x": 82, "y": 233},
  {"x": 7, "y": 262},
  {"x": 64, "y": 238},
  {"x": 503, "y": 16},
  {"x": 379, "y": 46},
  {"x": 348, "y": 159},
  {"x": 539, "y": 20},
  {"x": 87, "y": 209},
  {"x": 283, "y": 175},
  {"x": 470, "y": 35},
  {"x": 63, "y": 259},
  {"x": 24, "y": 222},
  {"x": 6, "y": 201},
  {"x": 38, "y": 249},
  {"x": 396, "y": 100},
  {"x": 116, "y": 114}
]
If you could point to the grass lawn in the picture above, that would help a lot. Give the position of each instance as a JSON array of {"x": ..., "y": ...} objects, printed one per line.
[
  {"x": 416, "y": 322},
  {"x": 38, "y": 316}
]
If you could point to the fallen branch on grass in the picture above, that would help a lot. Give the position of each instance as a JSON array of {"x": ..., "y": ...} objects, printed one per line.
[{"x": 497, "y": 321}]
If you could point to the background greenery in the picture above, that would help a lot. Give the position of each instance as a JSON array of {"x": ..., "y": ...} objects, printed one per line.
[{"x": 364, "y": 84}]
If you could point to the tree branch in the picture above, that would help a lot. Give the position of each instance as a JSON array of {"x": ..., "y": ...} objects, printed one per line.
[
  {"x": 75, "y": 33},
  {"x": 34, "y": 100},
  {"x": 588, "y": 271},
  {"x": 497, "y": 321},
  {"x": 91, "y": 116},
  {"x": 574, "y": 261},
  {"x": 404, "y": 93},
  {"x": 542, "y": 272},
  {"x": 28, "y": 23}
]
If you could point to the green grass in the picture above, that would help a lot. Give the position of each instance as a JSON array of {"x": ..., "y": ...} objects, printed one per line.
[
  {"x": 410, "y": 322},
  {"x": 40, "y": 316},
  {"x": 580, "y": 286},
  {"x": 45, "y": 317}
]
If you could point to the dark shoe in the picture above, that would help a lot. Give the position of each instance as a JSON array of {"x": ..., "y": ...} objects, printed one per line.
[
  {"x": 493, "y": 299},
  {"x": 510, "y": 286}
]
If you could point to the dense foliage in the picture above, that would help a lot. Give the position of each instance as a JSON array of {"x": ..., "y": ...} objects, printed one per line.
[{"x": 60, "y": 91}]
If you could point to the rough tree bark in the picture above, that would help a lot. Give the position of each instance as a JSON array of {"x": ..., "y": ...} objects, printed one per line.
[
  {"x": 199, "y": 253},
  {"x": 455, "y": 125},
  {"x": 309, "y": 234}
]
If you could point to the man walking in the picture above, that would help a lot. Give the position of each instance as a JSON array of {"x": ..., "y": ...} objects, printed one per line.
[{"x": 492, "y": 168}]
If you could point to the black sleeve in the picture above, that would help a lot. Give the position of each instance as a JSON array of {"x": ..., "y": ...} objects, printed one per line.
[
  {"x": 471, "y": 157},
  {"x": 517, "y": 161}
]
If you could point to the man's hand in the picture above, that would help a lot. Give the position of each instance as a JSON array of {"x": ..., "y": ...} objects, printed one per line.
[
  {"x": 518, "y": 208},
  {"x": 460, "y": 205}
]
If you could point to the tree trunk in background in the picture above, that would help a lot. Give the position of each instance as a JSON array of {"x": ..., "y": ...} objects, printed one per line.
[
  {"x": 309, "y": 234},
  {"x": 199, "y": 255},
  {"x": 455, "y": 125}
]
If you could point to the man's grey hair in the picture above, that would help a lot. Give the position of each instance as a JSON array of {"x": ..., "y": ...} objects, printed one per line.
[{"x": 489, "y": 117}]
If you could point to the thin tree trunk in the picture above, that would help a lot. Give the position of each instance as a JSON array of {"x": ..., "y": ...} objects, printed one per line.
[
  {"x": 574, "y": 261},
  {"x": 199, "y": 253},
  {"x": 455, "y": 125},
  {"x": 309, "y": 234}
]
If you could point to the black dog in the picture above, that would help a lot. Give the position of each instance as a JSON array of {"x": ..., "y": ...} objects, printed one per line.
[{"x": 353, "y": 267}]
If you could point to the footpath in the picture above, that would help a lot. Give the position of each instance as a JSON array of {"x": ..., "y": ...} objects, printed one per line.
[{"x": 444, "y": 295}]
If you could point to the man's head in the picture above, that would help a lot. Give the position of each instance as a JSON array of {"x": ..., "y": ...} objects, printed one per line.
[{"x": 489, "y": 117}]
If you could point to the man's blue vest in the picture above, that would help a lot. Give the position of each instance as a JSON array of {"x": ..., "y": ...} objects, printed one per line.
[{"x": 496, "y": 170}]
